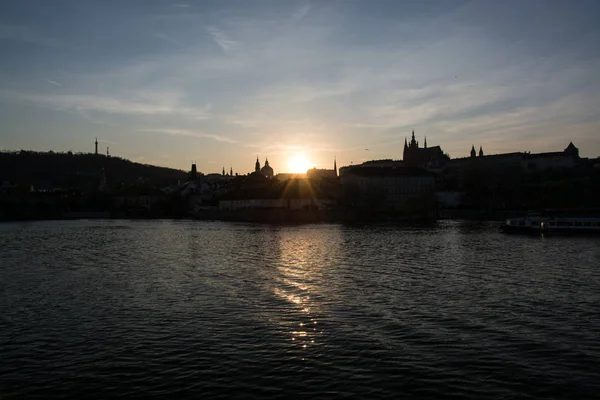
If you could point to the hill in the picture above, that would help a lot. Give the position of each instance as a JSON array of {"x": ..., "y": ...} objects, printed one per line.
[{"x": 50, "y": 170}]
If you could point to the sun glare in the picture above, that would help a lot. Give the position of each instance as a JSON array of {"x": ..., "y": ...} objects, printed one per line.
[{"x": 298, "y": 164}]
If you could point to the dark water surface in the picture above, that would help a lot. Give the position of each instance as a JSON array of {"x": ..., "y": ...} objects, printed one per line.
[{"x": 166, "y": 309}]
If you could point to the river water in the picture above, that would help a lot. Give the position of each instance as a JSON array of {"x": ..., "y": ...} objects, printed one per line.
[{"x": 184, "y": 309}]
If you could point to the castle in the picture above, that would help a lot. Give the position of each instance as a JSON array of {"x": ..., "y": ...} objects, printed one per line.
[{"x": 415, "y": 156}]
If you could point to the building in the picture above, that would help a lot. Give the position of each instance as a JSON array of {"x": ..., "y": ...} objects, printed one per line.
[
  {"x": 266, "y": 171},
  {"x": 523, "y": 161},
  {"x": 282, "y": 204},
  {"x": 425, "y": 157},
  {"x": 552, "y": 160},
  {"x": 323, "y": 173},
  {"x": 389, "y": 163},
  {"x": 389, "y": 188}
]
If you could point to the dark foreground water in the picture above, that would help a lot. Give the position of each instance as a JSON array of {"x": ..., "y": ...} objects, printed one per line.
[{"x": 169, "y": 309}]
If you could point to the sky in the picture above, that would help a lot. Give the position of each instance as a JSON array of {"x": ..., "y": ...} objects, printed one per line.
[{"x": 222, "y": 82}]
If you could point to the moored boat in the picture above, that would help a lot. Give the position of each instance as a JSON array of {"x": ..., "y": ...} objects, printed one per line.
[{"x": 537, "y": 225}]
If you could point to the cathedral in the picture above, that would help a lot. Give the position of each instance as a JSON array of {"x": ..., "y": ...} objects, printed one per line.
[
  {"x": 415, "y": 156},
  {"x": 266, "y": 171}
]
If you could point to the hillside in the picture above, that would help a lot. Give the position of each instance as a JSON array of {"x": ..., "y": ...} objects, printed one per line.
[{"x": 46, "y": 170}]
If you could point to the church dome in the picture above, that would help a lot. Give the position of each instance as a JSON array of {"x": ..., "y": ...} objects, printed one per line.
[{"x": 267, "y": 171}]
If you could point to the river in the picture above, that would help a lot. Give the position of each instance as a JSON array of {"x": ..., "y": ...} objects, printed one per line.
[{"x": 187, "y": 309}]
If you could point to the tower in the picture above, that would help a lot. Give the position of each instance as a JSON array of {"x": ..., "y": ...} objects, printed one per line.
[
  {"x": 266, "y": 162},
  {"x": 107, "y": 152},
  {"x": 473, "y": 152},
  {"x": 480, "y": 151},
  {"x": 230, "y": 170},
  {"x": 96, "y": 152},
  {"x": 425, "y": 142},
  {"x": 194, "y": 173},
  {"x": 334, "y": 166},
  {"x": 257, "y": 165},
  {"x": 223, "y": 173}
]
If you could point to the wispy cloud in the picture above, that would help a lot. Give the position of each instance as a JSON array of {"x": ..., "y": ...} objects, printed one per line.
[
  {"x": 222, "y": 39},
  {"x": 53, "y": 82},
  {"x": 187, "y": 132},
  {"x": 106, "y": 141},
  {"x": 112, "y": 105},
  {"x": 167, "y": 38},
  {"x": 301, "y": 12}
]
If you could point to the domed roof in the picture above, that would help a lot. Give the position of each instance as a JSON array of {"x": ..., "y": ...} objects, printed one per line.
[{"x": 267, "y": 170}]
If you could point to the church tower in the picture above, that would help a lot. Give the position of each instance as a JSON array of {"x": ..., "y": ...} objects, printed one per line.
[
  {"x": 473, "y": 152},
  {"x": 257, "y": 165},
  {"x": 413, "y": 142},
  {"x": 335, "y": 166},
  {"x": 480, "y": 151},
  {"x": 96, "y": 152},
  {"x": 194, "y": 172},
  {"x": 425, "y": 142}
]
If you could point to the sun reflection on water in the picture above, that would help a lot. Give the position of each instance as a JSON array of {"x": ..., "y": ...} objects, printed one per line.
[{"x": 302, "y": 284}]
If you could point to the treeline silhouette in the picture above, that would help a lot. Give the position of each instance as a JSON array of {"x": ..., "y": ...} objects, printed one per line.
[{"x": 50, "y": 170}]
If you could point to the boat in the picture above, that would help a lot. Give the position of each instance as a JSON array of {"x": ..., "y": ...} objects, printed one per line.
[{"x": 542, "y": 225}]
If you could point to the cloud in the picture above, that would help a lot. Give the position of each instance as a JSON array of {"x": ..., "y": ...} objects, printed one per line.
[
  {"x": 167, "y": 38},
  {"x": 106, "y": 141},
  {"x": 301, "y": 12},
  {"x": 162, "y": 104},
  {"x": 222, "y": 39},
  {"x": 53, "y": 82},
  {"x": 187, "y": 132},
  {"x": 27, "y": 35}
]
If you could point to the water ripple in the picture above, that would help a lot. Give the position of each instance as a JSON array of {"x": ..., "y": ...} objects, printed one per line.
[{"x": 163, "y": 309}]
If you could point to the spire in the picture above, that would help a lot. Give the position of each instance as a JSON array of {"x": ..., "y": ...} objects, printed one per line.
[
  {"x": 96, "y": 152},
  {"x": 473, "y": 153},
  {"x": 405, "y": 142},
  {"x": 107, "y": 152},
  {"x": 334, "y": 166},
  {"x": 413, "y": 142},
  {"x": 425, "y": 141},
  {"x": 223, "y": 173},
  {"x": 266, "y": 161},
  {"x": 230, "y": 170},
  {"x": 257, "y": 165},
  {"x": 480, "y": 151}
]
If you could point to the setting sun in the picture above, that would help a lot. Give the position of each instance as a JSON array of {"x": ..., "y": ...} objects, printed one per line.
[{"x": 298, "y": 164}]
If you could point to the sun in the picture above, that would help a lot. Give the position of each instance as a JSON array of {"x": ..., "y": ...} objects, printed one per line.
[{"x": 298, "y": 164}]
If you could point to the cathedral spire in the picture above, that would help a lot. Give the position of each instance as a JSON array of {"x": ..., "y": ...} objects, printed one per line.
[
  {"x": 413, "y": 142},
  {"x": 405, "y": 142},
  {"x": 334, "y": 166},
  {"x": 473, "y": 152},
  {"x": 257, "y": 165}
]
